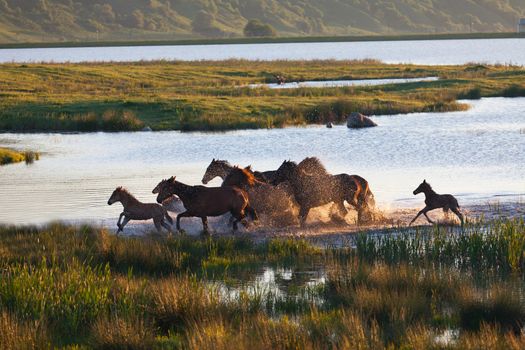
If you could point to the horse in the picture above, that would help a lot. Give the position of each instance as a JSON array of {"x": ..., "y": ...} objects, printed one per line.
[
  {"x": 273, "y": 203},
  {"x": 221, "y": 168},
  {"x": 436, "y": 201},
  {"x": 201, "y": 201},
  {"x": 313, "y": 186},
  {"x": 136, "y": 210}
]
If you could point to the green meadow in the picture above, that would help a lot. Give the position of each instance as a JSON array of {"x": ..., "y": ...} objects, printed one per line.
[
  {"x": 67, "y": 287},
  {"x": 214, "y": 95}
]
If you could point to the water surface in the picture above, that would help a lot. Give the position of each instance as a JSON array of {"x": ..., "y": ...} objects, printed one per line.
[
  {"x": 341, "y": 83},
  {"x": 436, "y": 52},
  {"x": 476, "y": 154}
]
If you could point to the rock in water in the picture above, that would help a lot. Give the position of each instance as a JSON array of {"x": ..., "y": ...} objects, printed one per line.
[
  {"x": 147, "y": 129},
  {"x": 358, "y": 120}
]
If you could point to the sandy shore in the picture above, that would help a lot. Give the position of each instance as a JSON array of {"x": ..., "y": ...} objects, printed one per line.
[{"x": 319, "y": 225}]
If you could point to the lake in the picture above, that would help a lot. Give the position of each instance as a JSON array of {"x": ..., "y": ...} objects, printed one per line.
[
  {"x": 434, "y": 52},
  {"x": 475, "y": 154}
]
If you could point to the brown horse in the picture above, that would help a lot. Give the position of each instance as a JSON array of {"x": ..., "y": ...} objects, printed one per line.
[
  {"x": 221, "y": 168},
  {"x": 274, "y": 204},
  {"x": 136, "y": 210},
  {"x": 436, "y": 201},
  {"x": 202, "y": 202},
  {"x": 313, "y": 186}
]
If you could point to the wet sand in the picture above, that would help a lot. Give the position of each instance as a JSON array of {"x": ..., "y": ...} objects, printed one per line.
[{"x": 319, "y": 227}]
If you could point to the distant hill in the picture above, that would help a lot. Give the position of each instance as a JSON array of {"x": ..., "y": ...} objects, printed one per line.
[{"x": 78, "y": 20}]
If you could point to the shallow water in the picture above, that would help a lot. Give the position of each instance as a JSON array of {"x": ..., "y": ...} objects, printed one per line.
[
  {"x": 437, "y": 52},
  {"x": 340, "y": 83},
  {"x": 476, "y": 155}
]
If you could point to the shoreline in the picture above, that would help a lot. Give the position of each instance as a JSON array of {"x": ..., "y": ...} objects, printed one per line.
[
  {"x": 267, "y": 40},
  {"x": 318, "y": 228}
]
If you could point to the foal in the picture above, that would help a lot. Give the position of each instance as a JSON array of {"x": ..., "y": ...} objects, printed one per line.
[
  {"x": 435, "y": 201},
  {"x": 136, "y": 210}
]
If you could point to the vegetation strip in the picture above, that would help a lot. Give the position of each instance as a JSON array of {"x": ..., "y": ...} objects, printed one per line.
[
  {"x": 266, "y": 40},
  {"x": 80, "y": 286},
  {"x": 206, "y": 95},
  {"x": 8, "y": 156}
]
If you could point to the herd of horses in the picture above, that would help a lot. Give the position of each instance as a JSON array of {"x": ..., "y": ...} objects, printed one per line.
[{"x": 281, "y": 197}]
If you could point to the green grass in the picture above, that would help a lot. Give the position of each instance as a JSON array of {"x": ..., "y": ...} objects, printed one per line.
[
  {"x": 9, "y": 156},
  {"x": 209, "y": 95},
  {"x": 81, "y": 287}
]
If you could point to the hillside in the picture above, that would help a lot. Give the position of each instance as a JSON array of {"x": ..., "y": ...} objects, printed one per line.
[{"x": 68, "y": 20}]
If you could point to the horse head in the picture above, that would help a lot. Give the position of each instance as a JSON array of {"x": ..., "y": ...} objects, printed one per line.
[
  {"x": 164, "y": 189},
  {"x": 286, "y": 172},
  {"x": 115, "y": 196},
  {"x": 216, "y": 168},
  {"x": 423, "y": 187}
]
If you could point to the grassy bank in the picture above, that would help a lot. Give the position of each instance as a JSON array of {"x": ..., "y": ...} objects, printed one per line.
[
  {"x": 8, "y": 156},
  {"x": 64, "y": 286},
  {"x": 268, "y": 40},
  {"x": 211, "y": 96}
]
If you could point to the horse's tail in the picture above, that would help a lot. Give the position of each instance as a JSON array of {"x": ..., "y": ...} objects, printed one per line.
[
  {"x": 168, "y": 217},
  {"x": 365, "y": 197}
]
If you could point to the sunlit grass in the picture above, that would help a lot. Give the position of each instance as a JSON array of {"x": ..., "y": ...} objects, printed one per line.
[
  {"x": 208, "y": 95},
  {"x": 81, "y": 286},
  {"x": 8, "y": 156}
]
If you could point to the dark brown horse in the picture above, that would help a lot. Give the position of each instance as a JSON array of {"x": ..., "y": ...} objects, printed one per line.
[
  {"x": 274, "y": 204},
  {"x": 313, "y": 186},
  {"x": 202, "y": 202},
  {"x": 136, "y": 210},
  {"x": 436, "y": 201},
  {"x": 222, "y": 168}
]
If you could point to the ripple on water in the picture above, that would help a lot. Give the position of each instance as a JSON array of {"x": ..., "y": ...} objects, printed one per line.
[{"x": 475, "y": 154}]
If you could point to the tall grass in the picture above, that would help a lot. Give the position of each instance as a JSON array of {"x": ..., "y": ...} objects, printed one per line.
[{"x": 81, "y": 287}]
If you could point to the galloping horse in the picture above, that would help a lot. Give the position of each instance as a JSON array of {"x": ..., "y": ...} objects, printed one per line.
[
  {"x": 136, "y": 210},
  {"x": 313, "y": 186},
  {"x": 436, "y": 201},
  {"x": 274, "y": 204},
  {"x": 222, "y": 168},
  {"x": 203, "y": 201}
]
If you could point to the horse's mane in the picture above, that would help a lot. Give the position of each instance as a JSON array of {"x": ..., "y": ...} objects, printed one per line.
[
  {"x": 312, "y": 166},
  {"x": 126, "y": 192},
  {"x": 245, "y": 173},
  {"x": 221, "y": 161}
]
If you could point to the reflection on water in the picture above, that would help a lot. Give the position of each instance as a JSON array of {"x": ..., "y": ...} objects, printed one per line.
[
  {"x": 341, "y": 83},
  {"x": 277, "y": 285},
  {"x": 437, "y": 52},
  {"x": 475, "y": 155}
]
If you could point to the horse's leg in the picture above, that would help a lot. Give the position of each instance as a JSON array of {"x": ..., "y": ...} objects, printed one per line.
[
  {"x": 239, "y": 216},
  {"x": 422, "y": 211},
  {"x": 165, "y": 225},
  {"x": 118, "y": 222},
  {"x": 204, "y": 223},
  {"x": 456, "y": 211},
  {"x": 124, "y": 223},
  {"x": 303, "y": 214},
  {"x": 341, "y": 212},
  {"x": 157, "y": 223},
  {"x": 181, "y": 215},
  {"x": 425, "y": 213}
]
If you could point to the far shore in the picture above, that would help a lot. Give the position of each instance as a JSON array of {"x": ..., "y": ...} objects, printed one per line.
[
  {"x": 215, "y": 95},
  {"x": 266, "y": 40}
]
